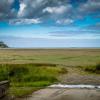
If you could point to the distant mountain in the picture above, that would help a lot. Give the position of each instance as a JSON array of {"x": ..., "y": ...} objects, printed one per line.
[{"x": 3, "y": 45}]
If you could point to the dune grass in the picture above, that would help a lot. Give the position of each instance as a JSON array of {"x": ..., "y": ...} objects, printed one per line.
[{"x": 34, "y": 76}]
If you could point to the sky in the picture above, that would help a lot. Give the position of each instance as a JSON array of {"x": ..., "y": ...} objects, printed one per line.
[{"x": 50, "y": 23}]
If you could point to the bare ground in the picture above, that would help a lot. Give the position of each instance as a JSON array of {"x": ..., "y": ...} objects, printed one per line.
[
  {"x": 78, "y": 76},
  {"x": 74, "y": 76},
  {"x": 64, "y": 94}
]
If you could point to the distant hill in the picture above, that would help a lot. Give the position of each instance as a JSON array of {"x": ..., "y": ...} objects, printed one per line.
[{"x": 3, "y": 45}]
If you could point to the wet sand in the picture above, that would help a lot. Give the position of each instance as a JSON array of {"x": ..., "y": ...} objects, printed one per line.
[{"x": 64, "y": 94}]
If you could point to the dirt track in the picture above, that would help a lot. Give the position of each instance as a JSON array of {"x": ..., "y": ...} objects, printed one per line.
[
  {"x": 65, "y": 94},
  {"x": 74, "y": 76}
]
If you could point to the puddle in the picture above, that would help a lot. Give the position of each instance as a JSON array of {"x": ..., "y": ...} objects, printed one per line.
[{"x": 75, "y": 86}]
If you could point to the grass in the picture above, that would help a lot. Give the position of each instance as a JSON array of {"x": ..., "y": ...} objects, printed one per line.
[
  {"x": 93, "y": 69},
  {"x": 25, "y": 77},
  {"x": 22, "y": 91},
  {"x": 34, "y": 76},
  {"x": 3, "y": 73},
  {"x": 69, "y": 57}
]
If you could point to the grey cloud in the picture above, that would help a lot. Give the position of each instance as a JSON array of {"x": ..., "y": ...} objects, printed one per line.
[
  {"x": 58, "y": 10},
  {"x": 90, "y": 6},
  {"x": 34, "y": 8},
  {"x": 47, "y": 9},
  {"x": 6, "y": 12}
]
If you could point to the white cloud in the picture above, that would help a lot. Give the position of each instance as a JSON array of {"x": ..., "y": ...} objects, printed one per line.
[
  {"x": 25, "y": 21},
  {"x": 30, "y": 8},
  {"x": 65, "y": 21},
  {"x": 21, "y": 10},
  {"x": 57, "y": 10}
]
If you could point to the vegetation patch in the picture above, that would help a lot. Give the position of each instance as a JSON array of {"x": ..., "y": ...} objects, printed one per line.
[
  {"x": 3, "y": 45},
  {"x": 93, "y": 69},
  {"x": 23, "y": 76}
]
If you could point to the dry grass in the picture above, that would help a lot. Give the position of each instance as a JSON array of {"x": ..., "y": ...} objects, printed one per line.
[{"x": 69, "y": 57}]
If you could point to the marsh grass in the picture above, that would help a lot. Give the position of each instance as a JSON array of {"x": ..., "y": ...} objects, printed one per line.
[
  {"x": 29, "y": 75},
  {"x": 22, "y": 91},
  {"x": 3, "y": 73},
  {"x": 93, "y": 69},
  {"x": 68, "y": 57}
]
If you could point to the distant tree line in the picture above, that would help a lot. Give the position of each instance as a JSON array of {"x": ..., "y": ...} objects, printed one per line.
[{"x": 3, "y": 45}]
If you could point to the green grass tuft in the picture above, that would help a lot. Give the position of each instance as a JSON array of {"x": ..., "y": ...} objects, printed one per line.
[
  {"x": 29, "y": 75},
  {"x": 93, "y": 69}
]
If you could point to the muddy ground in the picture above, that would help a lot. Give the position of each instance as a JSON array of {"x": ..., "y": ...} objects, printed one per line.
[
  {"x": 64, "y": 94},
  {"x": 74, "y": 76}
]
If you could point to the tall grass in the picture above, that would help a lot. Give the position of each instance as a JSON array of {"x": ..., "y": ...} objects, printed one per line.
[
  {"x": 3, "y": 73},
  {"x": 30, "y": 75},
  {"x": 93, "y": 69}
]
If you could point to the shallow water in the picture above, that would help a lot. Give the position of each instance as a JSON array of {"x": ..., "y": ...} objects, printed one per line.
[
  {"x": 74, "y": 92},
  {"x": 64, "y": 94},
  {"x": 75, "y": 86}
]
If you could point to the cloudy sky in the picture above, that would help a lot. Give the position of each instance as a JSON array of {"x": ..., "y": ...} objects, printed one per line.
[{"x": 50, "y": 23}]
